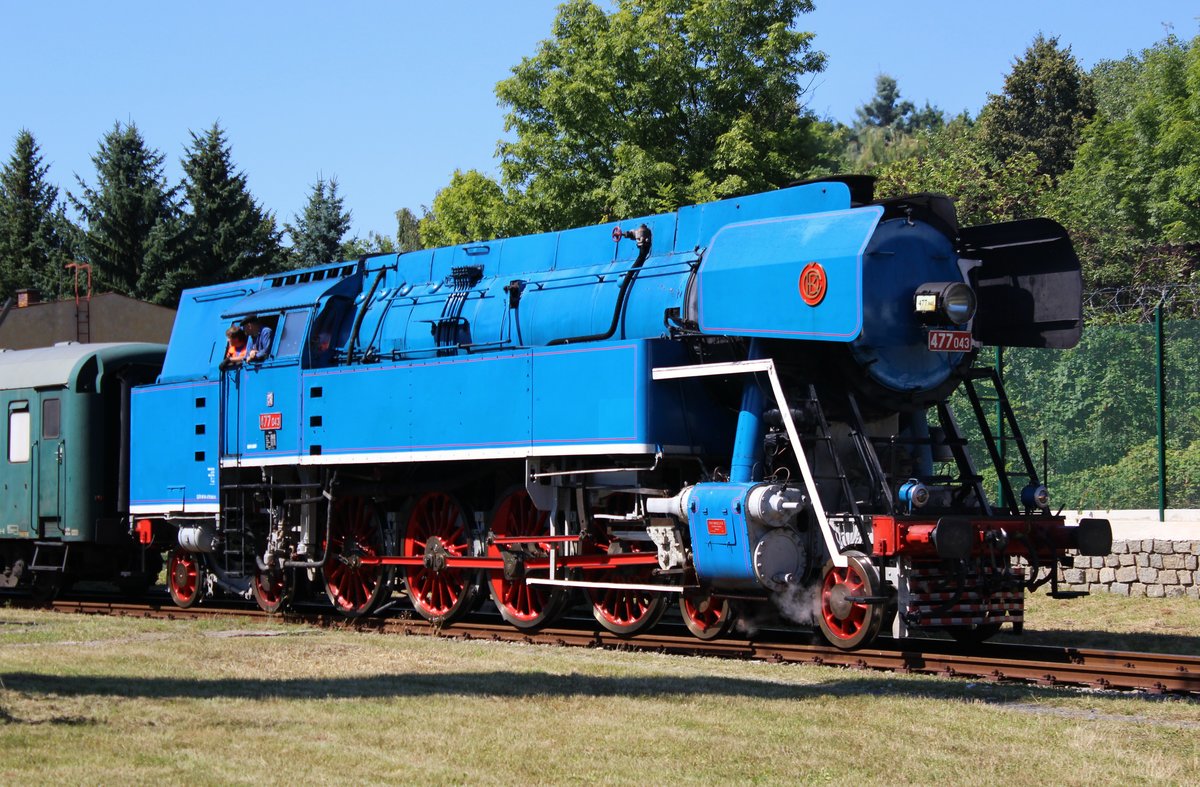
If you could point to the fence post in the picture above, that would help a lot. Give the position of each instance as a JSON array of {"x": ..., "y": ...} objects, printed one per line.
[
  {"x": 1000, "y": 441},
  {"x": 1162, "y": 414}
]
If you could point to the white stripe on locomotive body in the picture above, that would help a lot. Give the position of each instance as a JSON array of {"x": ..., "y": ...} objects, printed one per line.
[{"x": 407, "y": 457}]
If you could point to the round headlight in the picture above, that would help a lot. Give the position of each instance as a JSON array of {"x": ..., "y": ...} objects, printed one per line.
[
  {"x": 914, "y": 494},
  {"x": 951, "y": 301},
  {"x": 1035, "y": 496},
  {"x": 958, "y": 303}
]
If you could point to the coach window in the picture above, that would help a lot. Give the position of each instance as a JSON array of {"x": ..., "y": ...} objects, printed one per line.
[
  {"x": 291, "y": 336},
  {"x": 18, "y": 432},
  {"x": 51, "y": 417}
]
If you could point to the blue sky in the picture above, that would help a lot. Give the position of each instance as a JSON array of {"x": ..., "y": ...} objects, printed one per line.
[{"x": 391, "y": 97}]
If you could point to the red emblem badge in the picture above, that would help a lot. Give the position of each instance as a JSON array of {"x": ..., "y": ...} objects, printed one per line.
[{"x": 812, "y": 283}]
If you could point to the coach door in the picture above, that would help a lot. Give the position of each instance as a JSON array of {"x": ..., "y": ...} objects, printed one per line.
[
  {"x": 51, "y": 463},
  {"x": 17, "y": 517}
]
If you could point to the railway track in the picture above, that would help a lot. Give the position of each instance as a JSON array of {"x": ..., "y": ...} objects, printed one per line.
[{"x": 1047, "y": 666}]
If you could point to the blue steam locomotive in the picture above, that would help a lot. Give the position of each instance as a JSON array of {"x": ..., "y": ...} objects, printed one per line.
[{"x": 734, "y": 404}]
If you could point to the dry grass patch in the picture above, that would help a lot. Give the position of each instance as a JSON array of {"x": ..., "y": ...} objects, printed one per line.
[
  {"x": 102, "y": 700},
  {"x": 1109, "y": 621}
]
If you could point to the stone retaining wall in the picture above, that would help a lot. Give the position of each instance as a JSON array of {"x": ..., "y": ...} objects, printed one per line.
[{"x": 1145, "y": 567}]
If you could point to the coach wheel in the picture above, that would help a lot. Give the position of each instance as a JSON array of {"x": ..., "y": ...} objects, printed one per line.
[
  {"x": 844, "y": 622},
  {"x": 705, "y": 616},
  {"x": 437, "y": 529},
  {"x": 185, "y": 578},
  {"x": 354, "y": 534},
  {"x": 271, "y": 590},
  {"x": 528, "y": 607}
]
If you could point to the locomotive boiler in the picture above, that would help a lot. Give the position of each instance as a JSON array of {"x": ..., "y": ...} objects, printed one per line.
[{"x": 735, "y": 407}]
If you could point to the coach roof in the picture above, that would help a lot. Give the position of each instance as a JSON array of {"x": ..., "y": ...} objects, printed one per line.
[{"x": 55, "y": 366}]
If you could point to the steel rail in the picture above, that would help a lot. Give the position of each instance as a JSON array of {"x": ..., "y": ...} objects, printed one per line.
[{"x": 1155, "y": 673}]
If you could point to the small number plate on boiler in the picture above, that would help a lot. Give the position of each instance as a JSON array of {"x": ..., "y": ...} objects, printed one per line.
[{"x": 950, "y": 341}]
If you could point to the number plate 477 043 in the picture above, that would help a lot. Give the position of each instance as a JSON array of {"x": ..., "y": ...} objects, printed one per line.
[{"x": 950, "y": 341}]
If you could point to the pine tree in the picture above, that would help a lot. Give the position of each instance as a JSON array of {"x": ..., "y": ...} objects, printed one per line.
[
  {"x": 228, "y": 234},
  {"x": 886, "y": 128},
  {"x": 133, "y": 235},
  {"x": 885, "y": 110},
  {"x": 318, "y": 231},
  {"x": 1046, "y": 103},
  {"x": 34, "y": 230}
]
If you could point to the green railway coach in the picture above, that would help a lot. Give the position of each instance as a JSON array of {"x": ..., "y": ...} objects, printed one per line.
[{"x": 64, "y": 468}]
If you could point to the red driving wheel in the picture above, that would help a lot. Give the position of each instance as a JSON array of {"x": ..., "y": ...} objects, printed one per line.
[
  {"x": 626, "y": 611},
  {"x": 437, "y": 529},
  {"x": 528, "y": 607},
  {"x": 354, "y": 534}
]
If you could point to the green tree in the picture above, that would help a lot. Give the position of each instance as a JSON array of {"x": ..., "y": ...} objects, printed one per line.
[
  {"x": 34, "y": 230},
  {"x": 1046, "y": 103},
  {"x": 472, "y": 207},
  {"x": 955, "y": 162},
  {"x": 319, "y": 229},
  {"x": 132, "y": 237},
  {"x": 374, "y": 243},
  {"x": 887, "y": 128},
  {"x": 885, "y": 110},
  {"x": 228, "y": 234},
  {"x": 1133, "y": 197},
  {"x": 408, "y": 230},
  {"x": 655, "y": 104}
]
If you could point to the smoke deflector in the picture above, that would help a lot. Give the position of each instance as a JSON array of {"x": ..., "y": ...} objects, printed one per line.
[{"x": 1028, "y": 284}]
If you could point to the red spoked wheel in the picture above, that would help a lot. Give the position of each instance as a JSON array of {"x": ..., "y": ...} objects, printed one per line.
[
  {"x": 705, "y": 616},
  {"x": 847, "y": 623},
  {"x": 528, "y": 607},
  {"x": 271, "y": 590},
  {"x": 185, "y": 578},
  {"x": 626, "y": 612},
  {"x": 354, "y": 534},
  {"x": 437, "y": 529}
]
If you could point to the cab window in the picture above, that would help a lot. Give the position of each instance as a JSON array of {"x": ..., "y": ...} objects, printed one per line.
[
  {"x": 327, "y": 333},
  {"x": 18, "y": 432},
  {"x": 291, "y": 335}
]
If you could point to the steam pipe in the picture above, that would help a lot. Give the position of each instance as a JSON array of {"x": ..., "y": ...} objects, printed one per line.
[
  {"x": 362, "y": 313},
  {"x": 748, "y": 442},
  {"x": 642, "y": 236}
]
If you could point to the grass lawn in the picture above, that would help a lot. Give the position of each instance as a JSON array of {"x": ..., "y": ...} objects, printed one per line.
[
  {"x": 217, "y": 701},
  {"x": 1111, "y": 622}
]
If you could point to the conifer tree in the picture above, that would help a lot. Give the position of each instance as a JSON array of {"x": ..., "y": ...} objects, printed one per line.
[
  {"x": 34, "y": 230},
  {"x": 133, "y": 235},
  {"x": 228, "y": 234},
  {"x": 1046, "y": 103},
  {"x": 319, "y": 229}
]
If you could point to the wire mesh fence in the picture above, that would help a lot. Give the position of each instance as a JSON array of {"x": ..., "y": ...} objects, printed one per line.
[{"x": 1091, "y": 415}]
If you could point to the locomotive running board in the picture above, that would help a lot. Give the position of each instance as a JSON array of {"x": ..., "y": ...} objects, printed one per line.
[{"x": 767, "y": 366}]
